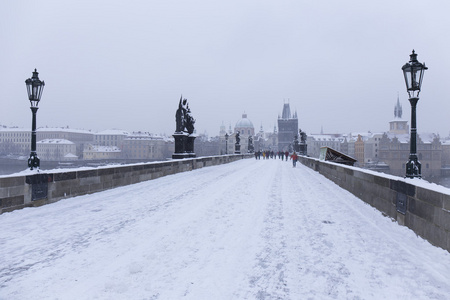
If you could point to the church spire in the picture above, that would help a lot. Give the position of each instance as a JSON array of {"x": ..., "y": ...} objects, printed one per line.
[{"x": 398, "y": 109}]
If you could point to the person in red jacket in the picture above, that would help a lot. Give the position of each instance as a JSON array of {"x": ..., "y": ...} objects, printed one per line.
[{"x": 294, "y": 158}]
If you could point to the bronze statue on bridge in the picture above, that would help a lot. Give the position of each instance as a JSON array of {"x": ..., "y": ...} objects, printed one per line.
[{"x": 184, "y": 132}]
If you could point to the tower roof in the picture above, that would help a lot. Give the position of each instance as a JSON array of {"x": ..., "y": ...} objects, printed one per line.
[{"x": 286, "y": 111}]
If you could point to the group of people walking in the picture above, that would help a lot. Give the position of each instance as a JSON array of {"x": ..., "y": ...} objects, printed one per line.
[{"x": 281, "y": 155}]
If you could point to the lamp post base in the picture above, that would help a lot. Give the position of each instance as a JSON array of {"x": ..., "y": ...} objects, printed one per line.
[
  {"x": 33, "y": 161},
  {"x": 413, "y": 168}
]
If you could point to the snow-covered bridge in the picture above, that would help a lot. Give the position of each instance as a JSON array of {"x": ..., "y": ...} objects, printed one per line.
[{"x": 245, "y": 230}]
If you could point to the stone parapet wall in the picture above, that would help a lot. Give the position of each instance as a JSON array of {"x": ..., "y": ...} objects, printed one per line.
[
  {"x": 17, "y": 192},
  {"x": 421, "y": 206}
]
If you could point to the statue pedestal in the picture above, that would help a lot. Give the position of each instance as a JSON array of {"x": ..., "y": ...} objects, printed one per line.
[
  {"x": 237, "y": 149},
  {"x": 180, "y": 145},
  {"x": 189, "y": 147},
  {"x": 184, "y": 145},
  {"x": 303, "y": 149},
  {"x": 180, "y": 155}
]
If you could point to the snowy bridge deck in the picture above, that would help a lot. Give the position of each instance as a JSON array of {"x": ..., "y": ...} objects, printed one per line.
[{"x": 244, "y": 230}]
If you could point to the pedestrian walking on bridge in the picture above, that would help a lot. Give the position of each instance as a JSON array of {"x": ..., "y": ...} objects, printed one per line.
[{"x": 294, "y": 158}]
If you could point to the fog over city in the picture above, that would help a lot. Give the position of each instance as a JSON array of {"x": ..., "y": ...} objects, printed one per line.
[{"x": 125, "y": 64}]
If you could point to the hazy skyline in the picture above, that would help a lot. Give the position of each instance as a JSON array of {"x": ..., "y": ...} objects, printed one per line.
[{"x": 117, "y": 64}]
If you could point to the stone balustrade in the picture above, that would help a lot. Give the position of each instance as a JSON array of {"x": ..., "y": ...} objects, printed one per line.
[{"x": 17, "y": 192}]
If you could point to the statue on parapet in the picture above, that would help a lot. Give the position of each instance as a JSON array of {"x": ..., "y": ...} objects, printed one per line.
[
  {"x": 183, "y": 136},
  {"x": 302, "y": 136},
  {"x": 179, "y": 116},
  {"x": 189, "y": 121},
  {"x": 237, "y": 147},
  {"x": 183, "y": 117},
  {"x": 303, "y": 145}
]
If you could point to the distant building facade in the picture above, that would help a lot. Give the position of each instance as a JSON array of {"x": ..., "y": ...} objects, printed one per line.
[
  {"x": 209, "y": 146},
  {"x": 56, "y": 150},
  {"x": 79, "y": 137},
  {"x": 14, "y": 140},
  {"x": 95, "y": 152},
  {"x": 17, "y": 141},
  {"x": 359, "y": 151},
  {"x": 111, "y": 137},
  {"x": 55, "y": 143},
  {"x": 317, "y": 141},
  {"x": 395, "y": 149},
  {"x": 372, "y": 150},
  {"x": 266, "y": 141},
  {"x": 144, "y": 145}
]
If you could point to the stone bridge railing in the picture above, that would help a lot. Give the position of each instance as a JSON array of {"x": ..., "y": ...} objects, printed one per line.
[
  {"x": 47, "y": 187},
  {"x": 421, "y": 206}
]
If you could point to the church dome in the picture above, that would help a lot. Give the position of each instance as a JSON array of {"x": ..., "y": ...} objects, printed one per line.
[
  {"x": 244, "y": 123},
  {"x": 244, "y": 126}
]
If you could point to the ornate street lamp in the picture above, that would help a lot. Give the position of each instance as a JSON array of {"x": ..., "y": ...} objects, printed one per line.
[
  {"x": 226, "y": 143},
  {"x": 34, "y": 89},
  {"x": 413, "y": 72}
]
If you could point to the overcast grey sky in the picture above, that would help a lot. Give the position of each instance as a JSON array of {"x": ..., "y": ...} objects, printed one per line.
[{"x": 124, "y": 64}]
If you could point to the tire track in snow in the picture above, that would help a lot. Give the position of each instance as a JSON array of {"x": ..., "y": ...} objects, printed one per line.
[
  {"x": 311, "y": 250},
  {"x": 268, "y": 281}
]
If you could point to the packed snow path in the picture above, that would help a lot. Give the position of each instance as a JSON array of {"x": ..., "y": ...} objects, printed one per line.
[{"x": 246, "y": 230}]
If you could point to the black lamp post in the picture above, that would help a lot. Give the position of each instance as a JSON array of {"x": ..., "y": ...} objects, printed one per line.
[
  {"x": 226, "y": 143},
  {"x": 34, "y": 89},
  {"x": 413, "y": 72}
]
